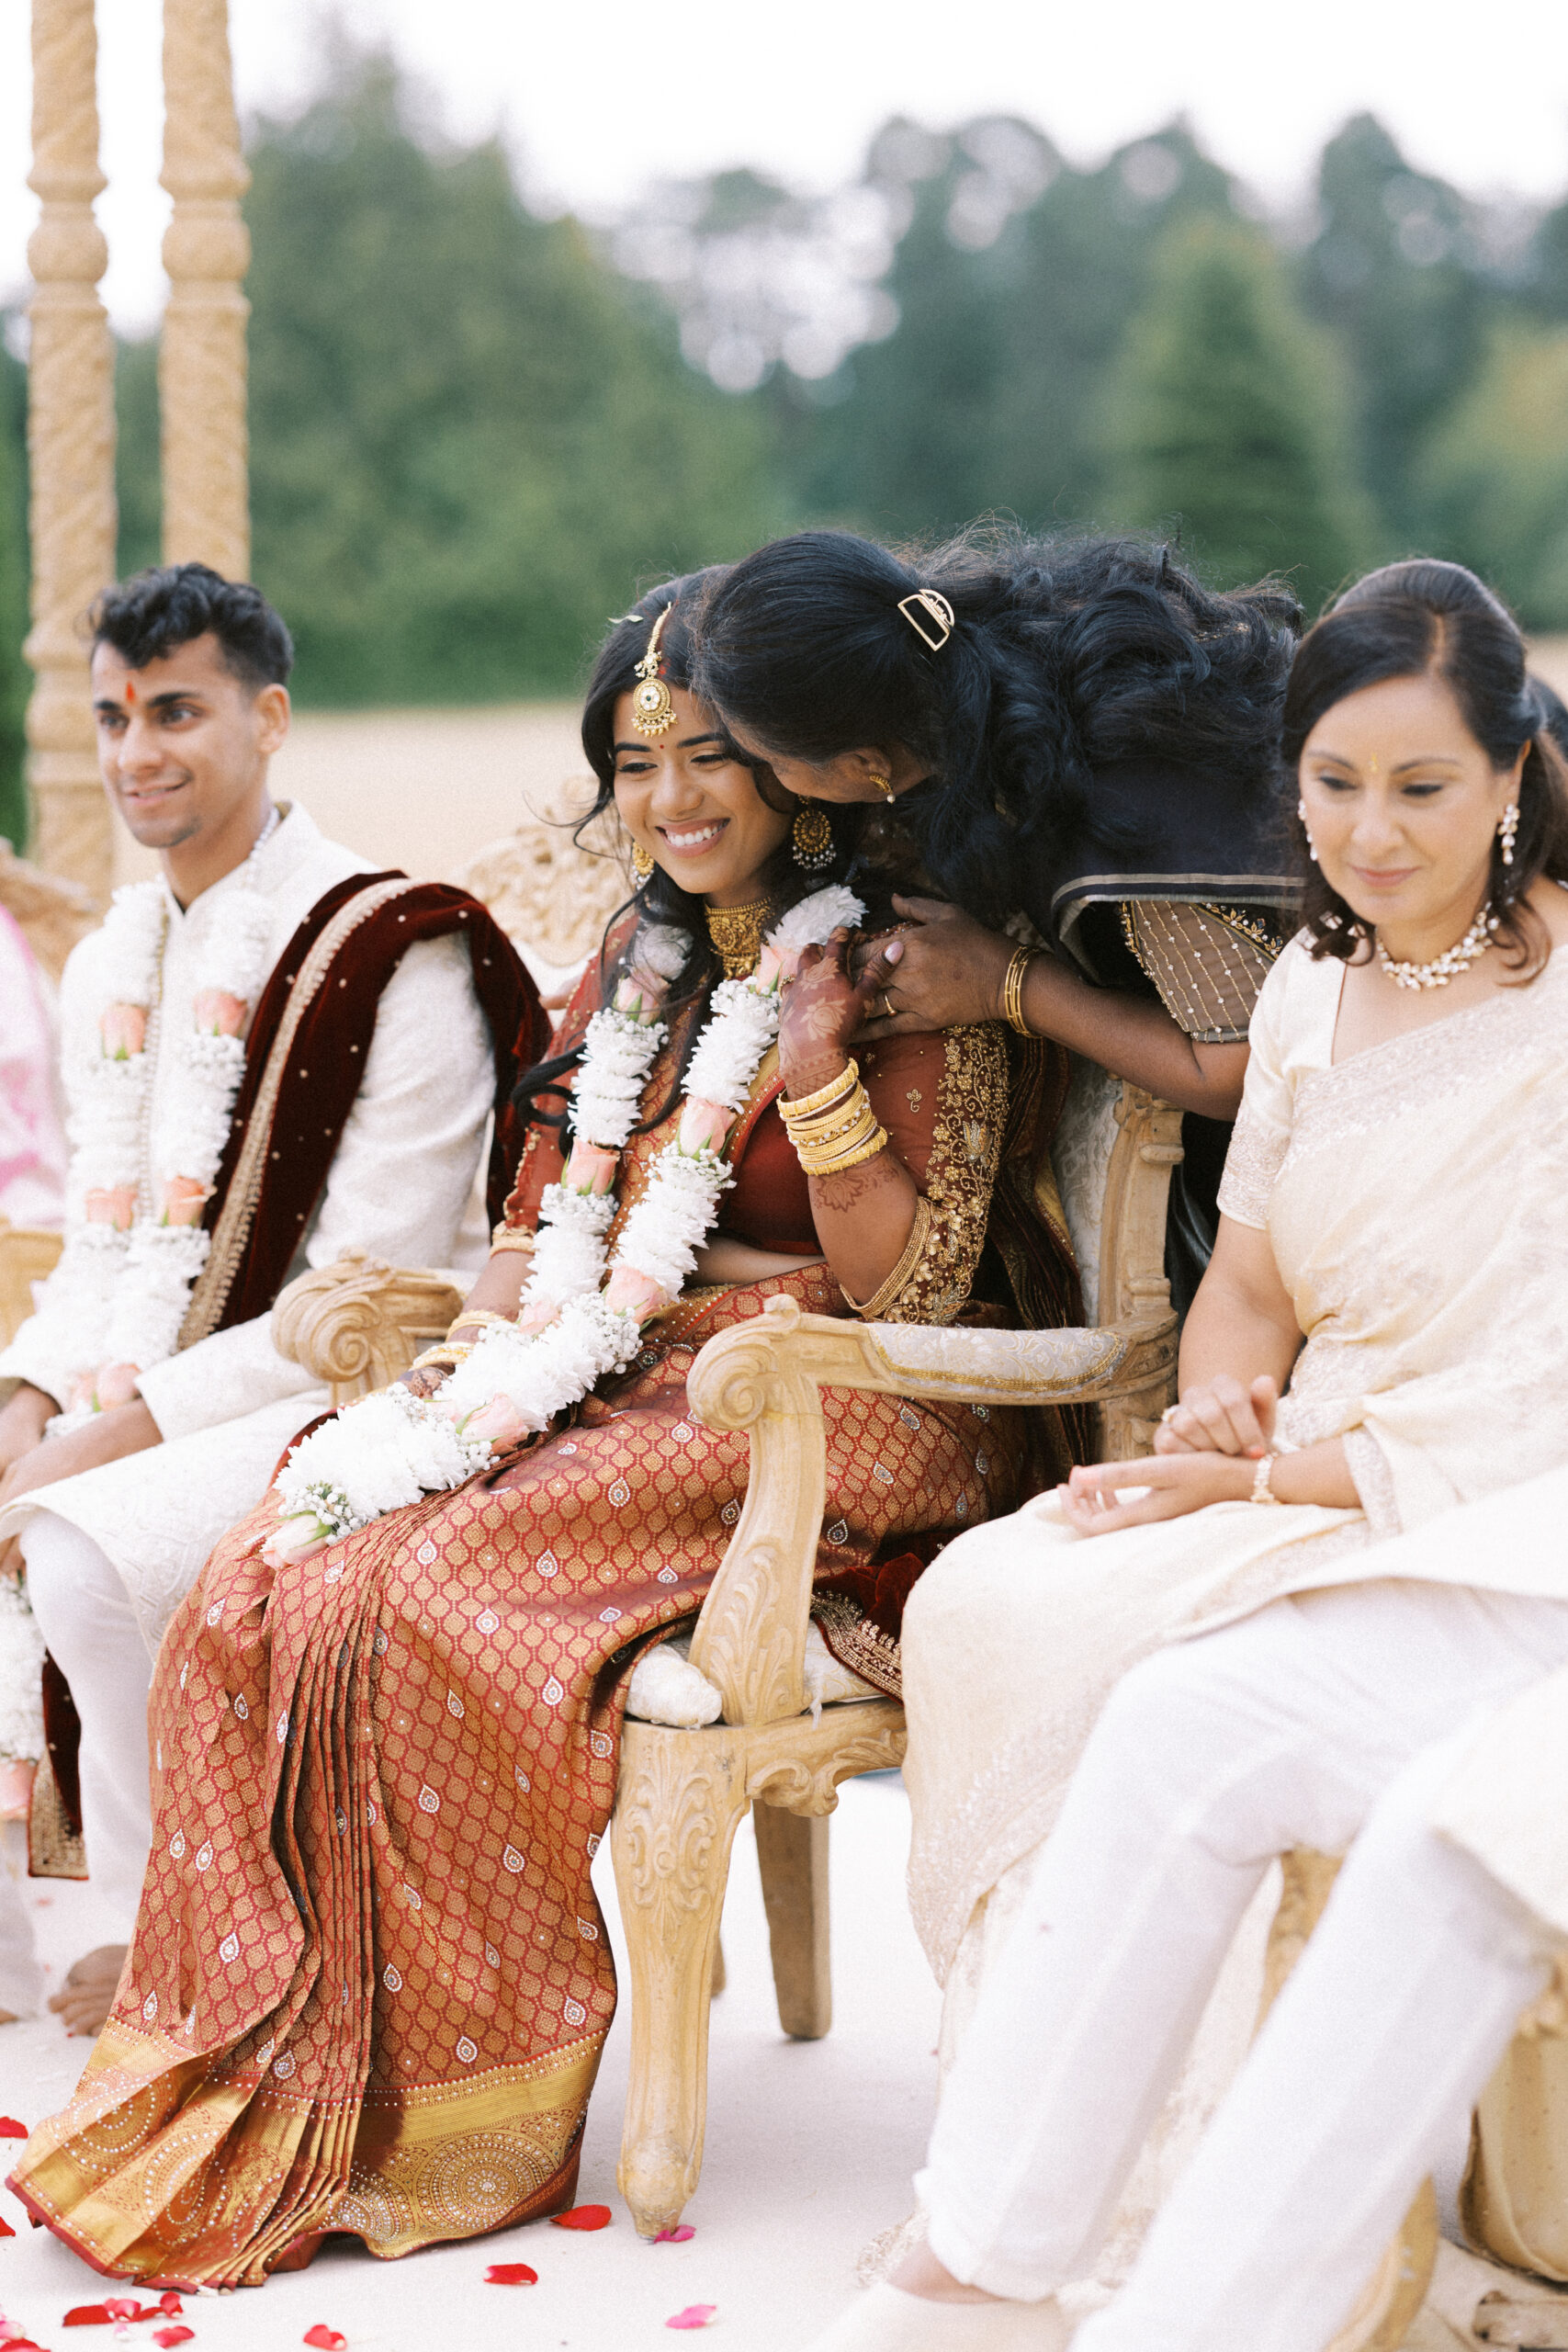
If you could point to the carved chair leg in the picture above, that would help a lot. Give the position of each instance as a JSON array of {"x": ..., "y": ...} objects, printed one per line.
[
  {"x": 681, "y": 1797},
  {"x": 792, "y": 1850},
  {"x": 720, "y": 1976},
  {"x": 1397, "y": 2290}
]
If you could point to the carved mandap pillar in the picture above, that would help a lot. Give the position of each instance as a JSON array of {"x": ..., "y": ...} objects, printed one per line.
[
  {"x": 71, "y": 438},
  {"x": 207, "y": 249}
]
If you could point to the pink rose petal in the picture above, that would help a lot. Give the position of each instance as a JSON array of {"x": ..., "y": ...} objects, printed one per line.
[
  {"x": 675, "y": 2237},
  {"x": 694, "y": 2315},
  {"x": 171, "y": 2335}
]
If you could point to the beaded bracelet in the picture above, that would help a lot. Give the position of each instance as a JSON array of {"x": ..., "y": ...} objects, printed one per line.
[{"x": 1262, "y": 1492}]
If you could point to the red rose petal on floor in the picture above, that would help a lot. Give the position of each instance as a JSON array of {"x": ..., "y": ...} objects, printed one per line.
[
  {"x": 694, "y": 2315},
  {"x": 88, "y": 2315},
  {"x": 325, "y": 2339},
  {"x": 11, "y": 2130},
  {"x": 170, "y": 2305},
  {"x": 511, "y": 2274},
  {"x": 167, "y": 2336},
  {"x": 675, "y": 2237},
  {"x": 123, "y": 2307},
  {"x": 5, "y": 2229},
  {"x": 584, "y": 2217}
]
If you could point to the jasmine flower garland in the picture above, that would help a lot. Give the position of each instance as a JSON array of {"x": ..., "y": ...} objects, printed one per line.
[{"x": 579, "y": 1321}]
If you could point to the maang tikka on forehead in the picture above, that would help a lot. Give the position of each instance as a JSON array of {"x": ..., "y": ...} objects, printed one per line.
[{"x": 653, "y": 710}]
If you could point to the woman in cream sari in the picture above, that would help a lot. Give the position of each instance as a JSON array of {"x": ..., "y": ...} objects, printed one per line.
[{"x": 1394, "y": 1256}]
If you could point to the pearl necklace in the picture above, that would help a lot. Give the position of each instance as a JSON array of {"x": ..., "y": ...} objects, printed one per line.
[{"x": 1450, "y": 963}]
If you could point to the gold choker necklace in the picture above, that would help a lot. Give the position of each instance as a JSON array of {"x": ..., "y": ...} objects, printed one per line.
[{"x": 736, "y": 936}]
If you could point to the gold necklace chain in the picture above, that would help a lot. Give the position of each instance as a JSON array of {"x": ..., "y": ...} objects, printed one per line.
[{"x": 736, "y": 936}]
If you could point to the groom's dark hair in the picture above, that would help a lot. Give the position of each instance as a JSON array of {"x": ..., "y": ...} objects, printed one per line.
[{"x": 150, "y": 616}]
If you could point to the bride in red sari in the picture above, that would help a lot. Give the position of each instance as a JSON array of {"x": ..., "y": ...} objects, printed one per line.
[{"x": 370, "y": 1983}]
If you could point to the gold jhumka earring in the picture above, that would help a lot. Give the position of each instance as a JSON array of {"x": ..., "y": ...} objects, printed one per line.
[
  {"x": 812, "y": 838},
  {"x": 653, "y": 710},
  {"x": 642, "y": 862}
]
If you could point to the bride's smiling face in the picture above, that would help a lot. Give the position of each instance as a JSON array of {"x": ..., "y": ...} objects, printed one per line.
[{"x": 687, "y": 800}]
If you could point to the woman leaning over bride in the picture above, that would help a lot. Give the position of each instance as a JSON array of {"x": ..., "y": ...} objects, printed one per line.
[
  {"x": 1393, "y": 1257},
  {"x": 370, "y": 1983}
]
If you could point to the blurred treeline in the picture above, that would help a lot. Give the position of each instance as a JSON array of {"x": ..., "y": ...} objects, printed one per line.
[{"x": 475, "y": 432}]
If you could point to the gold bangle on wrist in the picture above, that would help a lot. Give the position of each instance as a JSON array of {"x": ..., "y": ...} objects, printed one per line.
[
  {"x": 826, "y": 1097},
  {"x": 512, "y": 1237},
  {"x": 868, "y": 1150},
  {"x": 838, "y": 1123},
  {"x": 1013, "y": 990},
  {"x": 814, "y": 1145},
  {"x": 477, "y": 1318},
  {"x": 447, "y": 1353},
  {"x": 1262, "y": 1492}
]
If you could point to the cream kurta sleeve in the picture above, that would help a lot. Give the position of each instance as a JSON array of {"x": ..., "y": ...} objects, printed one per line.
[{"x": 398, "y": 1183}]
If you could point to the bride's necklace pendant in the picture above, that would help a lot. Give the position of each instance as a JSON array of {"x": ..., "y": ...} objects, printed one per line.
[{"x": 1447, "y": 967}]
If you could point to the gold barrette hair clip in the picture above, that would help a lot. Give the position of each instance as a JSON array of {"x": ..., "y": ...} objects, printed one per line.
[
  {"x": 936, "y": 610},
  {"x": 653, "y": 710}
]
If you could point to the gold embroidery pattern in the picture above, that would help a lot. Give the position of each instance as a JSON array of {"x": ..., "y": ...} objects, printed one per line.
[
  {"x": 971, "y": 1120},
  {"x": 1208, "y": 962}
]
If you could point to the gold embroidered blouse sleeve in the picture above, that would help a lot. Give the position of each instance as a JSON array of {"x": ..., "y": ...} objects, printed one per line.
[
  {"x": 1208, "y": 964},
  {"x": 934, "y": 1276}
]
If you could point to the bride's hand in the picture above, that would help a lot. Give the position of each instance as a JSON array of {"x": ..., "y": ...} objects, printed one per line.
[
  {"x": 1164, "y": 1487},
  {"x": 1223, "y": 1416},
  {"x": 822, "y": 1010}
]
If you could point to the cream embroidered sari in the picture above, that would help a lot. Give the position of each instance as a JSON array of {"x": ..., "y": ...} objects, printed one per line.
[{"x": 1414, "y": 1197}]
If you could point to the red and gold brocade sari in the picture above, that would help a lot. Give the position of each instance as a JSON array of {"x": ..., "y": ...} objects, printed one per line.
[{"x": 369, "y": 1983}]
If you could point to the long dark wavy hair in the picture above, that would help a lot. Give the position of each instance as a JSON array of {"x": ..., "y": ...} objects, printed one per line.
[
  {"x": 1427, "y": 619},
  {"x": 1069, "y": 654},
  {"x": 659, "y": 899}
]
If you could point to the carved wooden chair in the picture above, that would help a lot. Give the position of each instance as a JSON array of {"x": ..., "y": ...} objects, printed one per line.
[{"x": 683, "y": 1794}]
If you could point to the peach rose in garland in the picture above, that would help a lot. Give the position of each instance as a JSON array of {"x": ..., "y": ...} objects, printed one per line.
[
  {"x": 219, "y": 1014},
  {"x": 123, "y": 1029},
  {"x": 112, "y": 1204},
  {"x": 592, "y": 1169},
  {"x": 703, "y": 1127},
  {"x": 629, "y": 1291},
  {"x": 536, "y": 1318},
  {"x": 183, "y": 1200},
  {"x": 499, "y": 1421}
]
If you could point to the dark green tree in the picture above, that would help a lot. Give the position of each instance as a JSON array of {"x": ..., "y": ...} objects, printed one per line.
[
  {"x": 1496, "y": 473},
  {"x": 14, "y": 677},
  {"x": 138, "y": 477},
  {"x": 1393, "y": 272},
  {"x": 1222, "y": 423},
  {"x": 988, "y": 394},
  {"x": 470, "y": 440}
]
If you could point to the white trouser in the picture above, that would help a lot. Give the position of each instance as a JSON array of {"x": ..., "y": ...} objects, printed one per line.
[
  {"x": 90, "y": 1629},
  {"x": 1331, "y": 1718},
  {"x": 21, "y": 1978}
]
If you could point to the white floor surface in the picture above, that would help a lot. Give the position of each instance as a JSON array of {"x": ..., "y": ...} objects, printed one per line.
[{"x": 810, "y": 2147}]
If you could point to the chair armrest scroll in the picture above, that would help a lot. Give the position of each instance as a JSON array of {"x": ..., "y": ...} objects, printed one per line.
[{"x": 358, "y": 1323}]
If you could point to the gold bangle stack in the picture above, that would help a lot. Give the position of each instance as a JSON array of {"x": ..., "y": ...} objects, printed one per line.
[
  {"x": 827, "y": 1098},
  {"x": 835, "y": 1128},
  {"x": 476, "y": 1318},
  {"x": 1012, "y": 992}
]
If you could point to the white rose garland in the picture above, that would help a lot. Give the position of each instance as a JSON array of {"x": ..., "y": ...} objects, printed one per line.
[{"x": 578, "y": 1320}]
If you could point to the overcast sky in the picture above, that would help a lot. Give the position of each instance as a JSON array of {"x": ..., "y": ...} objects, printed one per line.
[{"x": 596, "y": 100}]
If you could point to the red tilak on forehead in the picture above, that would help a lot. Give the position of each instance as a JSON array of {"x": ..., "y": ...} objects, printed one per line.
[{"x": 130, "y": 690}]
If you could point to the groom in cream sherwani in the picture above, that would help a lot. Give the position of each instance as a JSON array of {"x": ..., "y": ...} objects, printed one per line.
[{"x": 416, "y": 996}]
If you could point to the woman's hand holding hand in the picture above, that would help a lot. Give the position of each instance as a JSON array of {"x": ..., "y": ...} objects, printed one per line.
[
  {"x": 1222, "y": 1415},
  {"x": 1175, "y": 1483},
  {"x": 823, "y": 1009},
  {"x": 945, "y": 971}
]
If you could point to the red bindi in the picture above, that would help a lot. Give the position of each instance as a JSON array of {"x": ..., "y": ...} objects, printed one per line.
[{"x": 130, "y": 691}]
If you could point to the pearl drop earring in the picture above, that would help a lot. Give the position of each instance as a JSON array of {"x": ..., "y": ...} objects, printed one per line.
[
  {"x": 1507, "y": 827},
  {"x": 1302, "y": 813}
]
